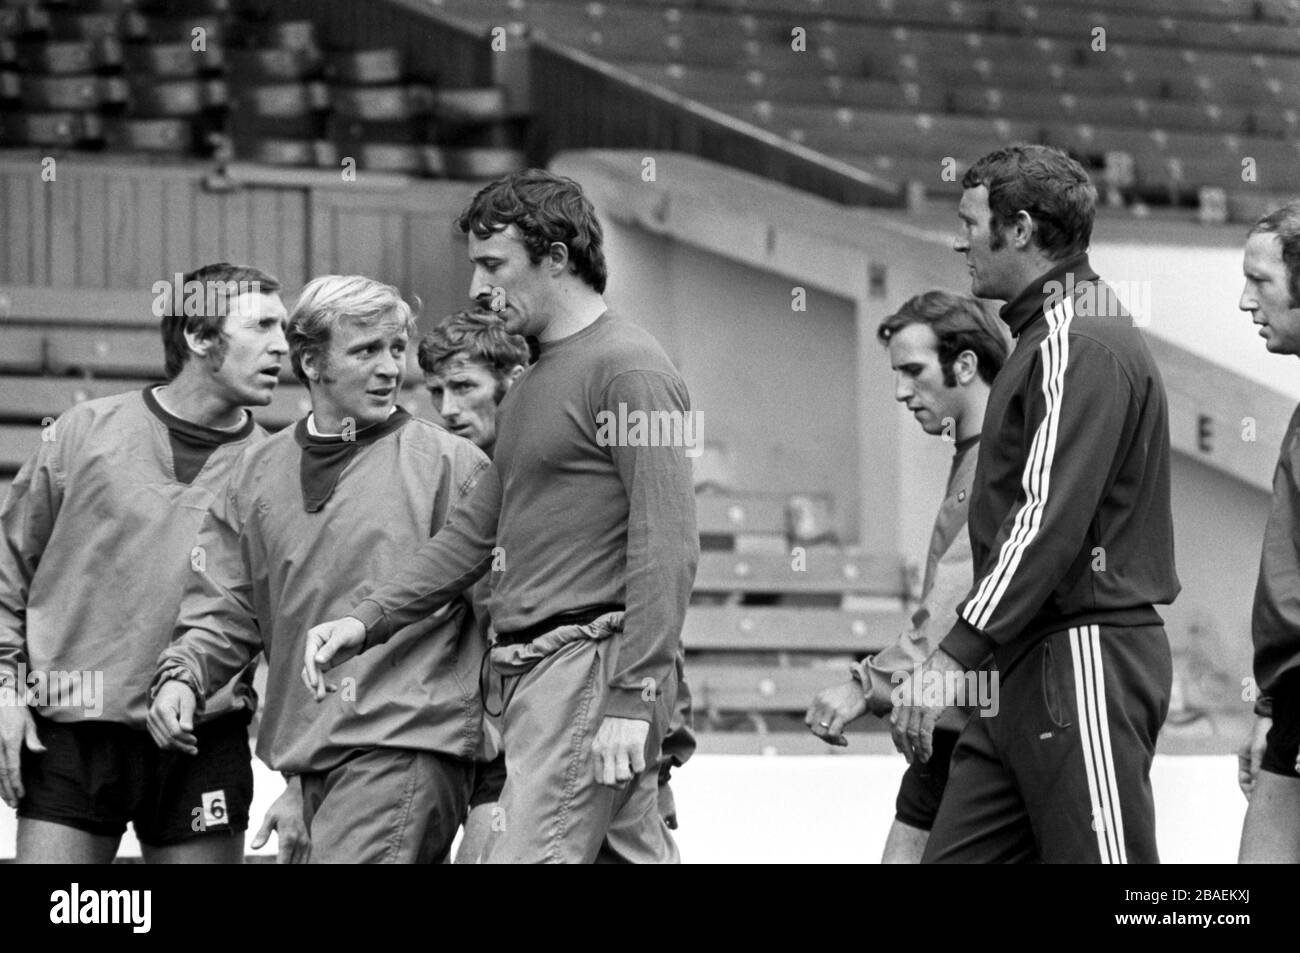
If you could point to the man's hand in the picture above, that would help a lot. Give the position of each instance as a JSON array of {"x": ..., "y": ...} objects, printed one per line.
[
  {"x": 912, "y": 723},
  {"x": 285, "y": 818},
  {"x": 618, "y": 750},
  {"x": 832, "y": 709},
  {"x": 17, "y": 728},
  {"x": 171, "y": 718},
  {"x": 330, "y": 644},
  {"x": 1250, "y": 754}
]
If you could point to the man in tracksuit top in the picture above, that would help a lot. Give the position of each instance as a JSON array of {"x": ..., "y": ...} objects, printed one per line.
[
  {"x": 1072, "y": 538},
  {"x": 1270, "y": 762},
  {"x": 314, "y": 516},
  {"x": 587, "y": 522},
  {"x": 98, "y": 537}
]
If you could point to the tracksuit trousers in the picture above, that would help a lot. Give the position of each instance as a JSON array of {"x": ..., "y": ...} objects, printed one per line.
[
  {"x": 552, "y": 810},
  {"x": 387, "y": 806},
  {"x": 1061, "y": 774}
]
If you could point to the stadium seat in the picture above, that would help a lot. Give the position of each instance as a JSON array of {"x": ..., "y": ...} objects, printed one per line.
[
  {"x": 785, "y": 629},
  {"x": 1284, "y": 123},
  {"x": 716, "y": 85},
  {"x": 826, "y": 571},
  {"x": 781, "y": 688},
  {"x": 729, "y": 514},
  {"x": 929, "y": 173}
]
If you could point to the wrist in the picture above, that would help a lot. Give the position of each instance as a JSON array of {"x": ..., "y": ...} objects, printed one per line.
[
  {"x": 861, "y": 676},
  {"x": 181, "y": 675}
]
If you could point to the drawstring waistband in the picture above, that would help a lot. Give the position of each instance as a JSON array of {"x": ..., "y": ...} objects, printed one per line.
[{"x": 575, "y": 617}]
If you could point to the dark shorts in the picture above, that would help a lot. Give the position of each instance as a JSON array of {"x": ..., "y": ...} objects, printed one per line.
[
  {"x": 1283, "y": 744},
  {"x": 97, "y": 776},
  {"x": 922, "y": 787},
  {"x": 489, "y": 779}
]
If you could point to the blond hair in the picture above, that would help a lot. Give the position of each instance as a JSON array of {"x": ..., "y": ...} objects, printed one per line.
[{"x": 329, "y": 300}]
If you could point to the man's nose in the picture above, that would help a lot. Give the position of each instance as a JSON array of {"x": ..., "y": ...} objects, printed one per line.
[
  {"x": 279, "y": 343},
  {"x": 479, "y": 287},
  {"x": 1247, "y": 301},
  {"x": 389, "y": 365}
]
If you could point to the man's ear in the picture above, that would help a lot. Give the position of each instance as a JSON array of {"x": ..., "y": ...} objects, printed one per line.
[
  {"x": 558, "y": 257},
  {"x": 310, "y": 366},
  {"x": 198, "y": 343},
  {"x": 515, "y": 372},
  {"x": 1022, "y": 229},
  {"x": 966, "y": 367}
]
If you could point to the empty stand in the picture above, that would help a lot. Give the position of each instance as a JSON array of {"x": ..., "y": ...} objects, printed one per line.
[{"x": 882, "y": 83}]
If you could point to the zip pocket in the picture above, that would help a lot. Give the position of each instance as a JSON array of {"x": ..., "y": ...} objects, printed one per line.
[{"x": 1052, "y": 687}]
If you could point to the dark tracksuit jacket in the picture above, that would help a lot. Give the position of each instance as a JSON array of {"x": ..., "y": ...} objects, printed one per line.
[
  {"x": 1073, "y": 473},
  {"x": 1072, "y": 537}
]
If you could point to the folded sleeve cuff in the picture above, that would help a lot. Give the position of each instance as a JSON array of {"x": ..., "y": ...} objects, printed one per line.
[
  {"x": 629, "y": 703},
  {"x": 178, "y": 673},
  {"x": 877, "y": 686},
  {"x": 370, "y": 614}
]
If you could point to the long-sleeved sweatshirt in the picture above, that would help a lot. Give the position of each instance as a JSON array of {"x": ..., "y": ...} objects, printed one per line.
[
  {"x": 274, "y": 569},
  {"x": 1070, "y": 518},
  {"x": 945, "y": 584},
  {"x": 98, "y": 543},
  {"x": 580, "y": 509}
]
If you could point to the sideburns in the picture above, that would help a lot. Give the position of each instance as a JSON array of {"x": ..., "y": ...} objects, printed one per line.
[
  {"x": 997, "y": 235},
  {"x": 323, "y": 366},
  {"x": 217, "y": 352}
]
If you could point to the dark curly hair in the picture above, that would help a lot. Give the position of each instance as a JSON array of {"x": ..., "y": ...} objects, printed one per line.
[
  {"x": 960, "y": 323},
  {"x": 1049, "y": 185},
  {"x": 480, "y": 335},
  {"x": 546, "y": 208}
]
